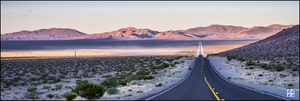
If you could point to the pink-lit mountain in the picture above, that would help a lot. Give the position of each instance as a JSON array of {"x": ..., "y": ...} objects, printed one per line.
[{"x": 212, "y": 32}]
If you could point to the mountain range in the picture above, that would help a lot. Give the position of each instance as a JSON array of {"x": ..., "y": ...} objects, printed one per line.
[{"x": 212, "y": 32}]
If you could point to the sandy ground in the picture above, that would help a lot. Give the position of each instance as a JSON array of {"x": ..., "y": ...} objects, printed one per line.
[
  {"x": 171, "y": 76},
  {"x": 236, "y": 70}
]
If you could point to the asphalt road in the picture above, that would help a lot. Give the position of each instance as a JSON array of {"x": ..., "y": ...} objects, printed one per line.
[{"x": 195, "y": 87}]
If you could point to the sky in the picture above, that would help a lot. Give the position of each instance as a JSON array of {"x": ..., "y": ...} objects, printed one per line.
[{"x": 104, "y": 16}]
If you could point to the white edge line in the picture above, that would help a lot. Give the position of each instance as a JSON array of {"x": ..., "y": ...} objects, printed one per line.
[
  {"x": 195, "y": 61},
  {"x": 253, "y": 89}
]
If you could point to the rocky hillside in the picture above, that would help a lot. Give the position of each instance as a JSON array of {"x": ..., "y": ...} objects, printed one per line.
[
  {"x": 213, "y": 32},
  {"x": 283, "y": 46}
]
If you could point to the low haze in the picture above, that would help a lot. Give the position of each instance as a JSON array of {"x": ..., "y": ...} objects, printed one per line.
[{"x": 104, "y": 16}]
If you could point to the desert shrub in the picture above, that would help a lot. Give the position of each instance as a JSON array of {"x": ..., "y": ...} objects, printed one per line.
[
  {"x": 279, "y": 68},
  {"x": 89, "y": 90},
  {"x": 23, "y": 84},
  {"x": 270, "y": 80},
  {"x": 241, "y": 59},
  {"x": 52, "y": 78},
  {"x": 46, "y": 87},
  {"x": 70, "y": 96},
  {"x": 282, "y": 75},
  {"x": 78, "y": 82},
  {"x": 159, "y": 85},
  {"x": 263, "y": 65},
  {"x": 130, "y": 90},
  {"x": 165, "y": 65},
  {"x": 17, "y": 79},
  {"x": 139, "y": 91},
  {"x": 33, "y": 79},
  {"x": 248, "y": 73},
  {"x": 142, "y": 72},
  {"x": 290, "y": 84},
  {"x": 230, "y": 57},
  {"x": 260, "y": 74},
  {"x": 129, "y": 95},
  {"x": 123, "y": 82},
  {"x": 140, "y": 77},
  {"x": 178, "y": 57},
  {"x": 56, "y": 80},
  {"x": 110, "y": 82},
  {"x": 148, "y": 77},
  {"x": 112, "y": 90},
  {"x": 228, "y": 77},
  {"x": 58, "y": 86},
  {"x": 248, "y": 63},
  {"x": 31, "y": 93},
  {"x": 50, "y": 95},
  {"x": 294, "y": 68},
  {"x": 251, "y": 68},
  {"x": 154, "y": 72},
  {"x": 190, "y": 68},
  {"x": 134, "y": 82},
  {"x": 107, "y": 76}
]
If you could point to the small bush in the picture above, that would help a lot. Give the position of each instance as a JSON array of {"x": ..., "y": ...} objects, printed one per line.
[
  {"x": 290, "y": 84},
  {"x": 230, "y": 57},
  {"x": 260, "y": 75},
  {"x": 123, "y": 82},
  {"x": 129, "y": 95},
  {"x": 139, "y": 92},
  {"x": 50, "y": 95},
  {"x": 148, "y": 77},
  {"x": 249, "y": 63},
  {"x": 130, "y": 90},
  {"x": 228, "y": 77},
  {"x": 89, "y": 90},
  {"x": 112, "y": 90},
  {"x": 279, "y": 68},
  {"x": 251, "y": 68},
  {"x": 190, "y": 68},
  {"x": 134, "y": 82},
  {"x": 294, "y": 68},
  {"x": 241, "y": 59},
  {"x": 248, "y": 73},
  {"x": 46, "y": 87},
  {"x": 270, "y": 80},
  {"x": 282, "y": 75},
  {"x": 58, "y": 86},
  {"x": 70, "y": 96},
  {"x": 159, "y": 85}
]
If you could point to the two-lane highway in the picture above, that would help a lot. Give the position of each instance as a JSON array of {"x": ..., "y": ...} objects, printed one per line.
[{"x": 205, "y": 84}]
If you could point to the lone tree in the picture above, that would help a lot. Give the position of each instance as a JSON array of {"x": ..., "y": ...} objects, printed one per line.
[{"x": 89, "y": 90}]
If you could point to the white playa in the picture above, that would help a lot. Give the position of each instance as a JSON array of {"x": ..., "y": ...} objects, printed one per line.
[{"x": 236, "y": 70}]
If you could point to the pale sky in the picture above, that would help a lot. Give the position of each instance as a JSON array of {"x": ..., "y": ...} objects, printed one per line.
[{"x": 104, "y": 16}]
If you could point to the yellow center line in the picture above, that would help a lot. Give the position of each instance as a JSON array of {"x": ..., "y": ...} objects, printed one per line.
[
  {"x": 203, "y": 61},
  {"x": 212, "y": 90}
]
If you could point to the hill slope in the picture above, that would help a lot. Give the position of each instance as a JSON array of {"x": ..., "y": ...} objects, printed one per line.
[{"x": 283, "y": 46}]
